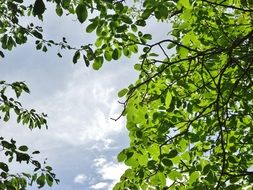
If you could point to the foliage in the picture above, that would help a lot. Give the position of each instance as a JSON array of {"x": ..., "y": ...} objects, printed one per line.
[
  {"x": 189, "y": 114},
  {"x": 42, "y": 173}
]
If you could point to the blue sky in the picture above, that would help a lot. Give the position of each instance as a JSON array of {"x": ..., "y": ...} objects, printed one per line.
[{"x": 82, "y": 142}]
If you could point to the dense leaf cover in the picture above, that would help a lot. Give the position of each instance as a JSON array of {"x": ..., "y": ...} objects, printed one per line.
[{"x": 189, "y": 114}]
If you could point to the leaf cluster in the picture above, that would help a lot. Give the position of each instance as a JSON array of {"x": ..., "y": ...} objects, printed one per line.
[{"x": 42, "y": 173}]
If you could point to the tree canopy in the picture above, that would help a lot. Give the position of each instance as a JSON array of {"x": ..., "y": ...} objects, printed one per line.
[{"x": 189, "y": 115}]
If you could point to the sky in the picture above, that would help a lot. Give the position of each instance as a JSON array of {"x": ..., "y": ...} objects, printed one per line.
[{"x": 82, "y": 142}]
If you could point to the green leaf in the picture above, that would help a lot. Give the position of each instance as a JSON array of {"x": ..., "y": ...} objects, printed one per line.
[
  {"x": 116, "y": 54},
  {"x": 163, "y": 11},
  {"x": 139, "y": 134},
  {"x": 151, "y": 164},
  {"x": 185, "y": 3},
  {"x": 172, "y": 154},
  {"x": 174, "y": 175},
  {"x": 140, "y": 22},
  {"x": 168, "y": 99},
  {"x": 98, "y": 62},
  {"x": 126, "y": 19},
  {"x": 193, "y": 177},
  {"x": 39, "y": 8},
  {"x": 126, "y": 52},
  {"x": 158, "y": 180},
  {"x": 134, "y": 28},
  {"x": 108, "y": 55},
  {"x": 86, "y": 61},
  {"x": 171, "y": 45},
  {"x": 49, "y": 180},
  {"x": 76, "y": 57},
  {"x": 37, "y": 34},
  {"x": 122, "y": 92},
  {"x": 59, "y": 10},
  {"x": 183, "y": 52},
  {"x": 91, "y": 27},
  {"x": 147, "y": 36},
  {"x": 122, "y": 156},
  {"x": 146, "y": 13},
  {"x": 4, "y": 167},
  {"x": 65, "y": 3},
  {"x": 1, "y": 54},
  {"x": 81, "y": 12},
  {"x": 137, "y": 67},
  {"x": 41, "y": 180},
  {"x": 143, "y": 159},
  {"x": 23, "y": 148},
  {"x": 59, "y": 55},
  {"x": 167, "y": 162}
]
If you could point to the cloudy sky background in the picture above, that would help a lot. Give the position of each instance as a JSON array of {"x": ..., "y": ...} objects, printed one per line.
[{"x": 82, "y": 141}]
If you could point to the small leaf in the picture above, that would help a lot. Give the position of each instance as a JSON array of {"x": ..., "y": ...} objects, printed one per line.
[
  {"x": 122, "y": 156},
  {"x": 134, "y": 28},
  {"x": 126, "y": 52},
  {"x": 126, "y": 19},
  {"x": 4, "y": 167},
  {"x": 168, "y": 99},
  {"x": 65, "y": 3},
  {"x": 185, "y": 3},
  {"x": 86, "y": 61},
  {"x": 49, "y": 180},
  {"x": 37, "y": 34},
  {"x": 59, "y": 55},
  {"x": 173, "y": 175},
  {"x": 76, "y": 57},
  {"x": 39, "y": 8},
  {"x": 108, "y": 55},
  {"x": 81, "y": 12},
  {"x": 59, "y": 10},
  {"x": 98, "y": 62},
  {"x": 163, "y": 10},
  {"x": 146, "y": 13},
  {"x": 147, "y": 36},
  {"x": 41, "y": 181},
  {"x": 139, "y": 134},
  {"x": 167, "y": 162},
  {"x": 172, "y": 154},
  {"x": 1, "y": 54},
  {"x": 141, "y": 22},
  {"x": 193, "y": 177},
  {"x": 137, "y": 67},
  {"x": 116, "y": 54},
  {"x": 90, "y": 28},
  {"x": 23, "y": 148},
  {"x": 122, "y": 92},
  {"x": 171, "y": 45}
]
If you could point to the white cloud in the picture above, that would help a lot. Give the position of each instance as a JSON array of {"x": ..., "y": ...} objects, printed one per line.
[
  {"x": 112, "y": 171},
  {"x": 99, "y": 161},
  {"x": 78, "y": 101},
  {"x": 109, "y": 171},
  {"x": 100, "y": 185},
  {"x": 80, "y": 179},
  {"x": 105, "y": 144},
  {"x": 82, "y": 109}
]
